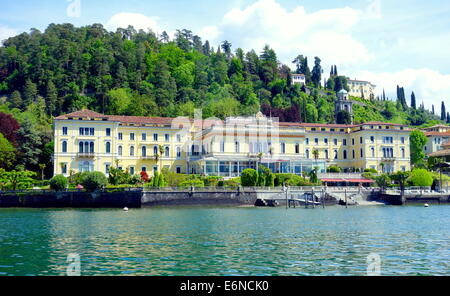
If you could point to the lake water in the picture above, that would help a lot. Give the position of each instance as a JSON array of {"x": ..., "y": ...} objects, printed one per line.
[{"x": 410, "y": 240}]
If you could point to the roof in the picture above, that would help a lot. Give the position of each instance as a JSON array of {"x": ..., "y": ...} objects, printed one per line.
[
  {"x": 90, "y": 115},
  {"x": 438, "y": 134},
  {"x": 440, "y": 153},
  {"x": 295, "y": 74},
  {"x": 342, "y": 91},
  {"x": 436, "y": 126}
]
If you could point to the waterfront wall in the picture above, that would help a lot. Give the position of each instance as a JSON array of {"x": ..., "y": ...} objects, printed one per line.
[
  {"x": 396, "y": 199},
  {"x": 48, "y": 199}
]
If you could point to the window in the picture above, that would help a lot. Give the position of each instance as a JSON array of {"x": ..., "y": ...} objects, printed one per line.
[
  {"x": 372, "y": 139},
  {"x": 316, "y": 141},
  {"x": 64, "y": 131},
  {"x": 155, "y": 150},
  {"x": 132, "y": 151},
  {"x": 361, "y": 152},
  {"x": 402, "y": 140},
  {"x": 307, "y": 141},
  {"x": 178, "y": 152},
  {"x": 91, "y": 146},
  {"x": 64, "y": 146},
  {"x": 335, "y": 142},
  {"x": 108, "y": 147},
  {"x": 326, "y": 154},
  {"x": 155, "y": 168},
  {"x": 345, "y": 154},
  {"x": 132, "y": 171},
  {"x": 237, "y": 147},
  {"x": 325, "y": 141},
  {"x": 403, "y": 153},
  {"x": 92, "y": 131},
  {"x": 144, "y": 151},
  {"x": 144, "y": 137},
  {"x": 155, "y": 137},
  {"x": 344, "y": 142},
  {"x": 222, "y": 146},
  {"x": 108, "y": 132},
  {"x": 178, "y": 138},
  {"x": 178, "y": 170},
  {"x": 336, "y": 154},
  {"x": 361, "y": 140},
  {"x": 131, "y": 136},
  {"x": 283, "y": 148},
  {"x": 144, "y": 169},
  {"x": 167, "y": 152},
  {"x": 120, "y": 150},
  {"x": 107, "y": 166},
  {"x": 372, "y": 150},
  {"x": 353, "y": 154},
  {"x": 353, "y": 142},
  {"x": 388, "y": 140},
  {"x": 167, "y": 137},
  {"x": 403, "y": 169},
  {"x": 120, "y": 136},
  {"x": 64, "y": 168},
  {"x": 307, "y": 154},
  {"x": 297, "y": 148}
]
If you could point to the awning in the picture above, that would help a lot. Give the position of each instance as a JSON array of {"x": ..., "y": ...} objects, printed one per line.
[{"x": 347, "y": 180}]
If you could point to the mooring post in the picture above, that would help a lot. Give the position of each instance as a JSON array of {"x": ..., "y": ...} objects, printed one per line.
[
  {"x": 323, "y": 198},
  {"x": 313, "y": 199},
  {"x": 346, "y": 203}
]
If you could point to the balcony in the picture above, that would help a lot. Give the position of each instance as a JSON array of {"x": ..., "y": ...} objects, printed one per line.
[
  {"x": 86, "y": 155},
  {"x": 148, "y": 157},
  {"x": 387, "y": 158}
]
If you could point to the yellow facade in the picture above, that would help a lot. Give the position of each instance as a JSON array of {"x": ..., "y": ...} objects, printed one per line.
[{"x": 89, "y": 141}]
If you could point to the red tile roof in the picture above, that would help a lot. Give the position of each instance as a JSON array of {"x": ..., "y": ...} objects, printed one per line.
[
  {"x": 382, "y": 123},
  {"x": 442, "y": 134}
]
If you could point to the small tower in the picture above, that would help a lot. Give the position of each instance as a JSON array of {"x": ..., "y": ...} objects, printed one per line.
[{"x": 343, "y": 103}]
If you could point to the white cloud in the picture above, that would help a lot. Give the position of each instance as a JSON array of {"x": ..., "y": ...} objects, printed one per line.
[
  {"x": 209, "y": 32},
  {"x": 137, "y": 20},
  {"x": 429, "y": 86},
  {"x": 6, "y": 32},
  {"x": 326, "y": 33}
]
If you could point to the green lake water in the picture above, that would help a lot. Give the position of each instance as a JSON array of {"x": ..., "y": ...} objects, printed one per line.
[{"x": 410, "y": 240}]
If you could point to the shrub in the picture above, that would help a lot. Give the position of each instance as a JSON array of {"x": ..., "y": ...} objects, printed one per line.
[
  {"x": 334, "y": 169},
  {"x": 94, "y": 181},
  {"x": 192, "y": 183},
  {"x": 373, "y": 171},
  {"x": 211, "y": 181},
  {"x": 249, "y": 178},
  {"x": 59, "y": 183},
  {"x": 421, "y": 177},
  {"x": 270, "y": 180}
]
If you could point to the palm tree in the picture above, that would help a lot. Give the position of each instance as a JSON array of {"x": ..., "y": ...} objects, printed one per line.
[
  {"x": 42, "y": 166},
  {"x": 316, "y": 155},
  {"x": 161, "y": 151},
  {"x": 259, "y": 156}
]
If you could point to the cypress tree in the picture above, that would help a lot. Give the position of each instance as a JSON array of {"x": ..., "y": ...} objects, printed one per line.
[
  {"x": 432, "y": 109},
  {"x": 443, "y": 113},
  {"x": 413, "y": 100}
]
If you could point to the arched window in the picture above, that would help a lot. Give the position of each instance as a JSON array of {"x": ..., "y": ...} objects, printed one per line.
[
  {"x": 403, "y": 152},
  {"x": 326, "y": 154},
  {"x": 132, "y": 151},
  {"x": 64, "y": 146},
  {"x": 237, "y": 147},
  {"x": 307, "y": 153},
  {"x": 336, "y": 154},
  {"x": 167, "y": 152},
  {"x": 81, "y": 147},
  {"x": 345, "y": 154},
  {"x": 120, "y": 150},
  {"x": 144, "y": 151},
  {"x": 86, "y": 147},
  {"x": 108, "y": 147},
  {"x": 92, "y": 147},
  {"x": 156, "y": 152},
  {"x": 178, "y": 152}
]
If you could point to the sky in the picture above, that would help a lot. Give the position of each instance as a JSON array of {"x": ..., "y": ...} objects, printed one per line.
[{"x": 404, "y": 42}]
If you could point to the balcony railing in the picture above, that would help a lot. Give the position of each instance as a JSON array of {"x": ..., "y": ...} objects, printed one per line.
[
  {"x": 385, "y": 158},
  {"x": 86, "y": 155}
]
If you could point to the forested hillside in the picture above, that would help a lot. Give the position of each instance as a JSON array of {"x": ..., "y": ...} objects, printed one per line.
[{"x": 129, "y": 72}]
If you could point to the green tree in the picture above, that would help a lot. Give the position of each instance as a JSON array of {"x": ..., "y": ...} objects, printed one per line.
[
  {"x": 418, "y": 140},
  {"x": 343, "y": 117},
  {"x": 7, "y": 153},
  {"x": 383, "y": 181},
  {"x": 249, "y": 178},
  {"x": 421, "y": 178},
  {"x": 317, "y": 72},
  {"x": 94, "y": 181},
  {"x": 59, "y": 183}
]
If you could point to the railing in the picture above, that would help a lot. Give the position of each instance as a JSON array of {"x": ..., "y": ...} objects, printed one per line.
[
  {"x": 340, "y": 175},
  {"x": 86, "y": 155}
]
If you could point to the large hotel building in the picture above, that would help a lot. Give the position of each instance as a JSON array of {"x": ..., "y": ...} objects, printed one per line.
[{"x": 89, "y": 141}]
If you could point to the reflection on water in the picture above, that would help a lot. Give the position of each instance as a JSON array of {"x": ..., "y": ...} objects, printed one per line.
[{"x": 226, "y": 241}]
